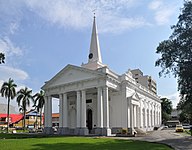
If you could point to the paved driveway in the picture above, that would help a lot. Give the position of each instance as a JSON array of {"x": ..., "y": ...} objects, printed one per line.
[{"x": 179, "y": 141}]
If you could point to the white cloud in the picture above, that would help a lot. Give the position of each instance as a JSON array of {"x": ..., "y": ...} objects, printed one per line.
[
  {"x": 154, "y": 5},
  {"x": 13, "y": 27},
  {"x": 7, "y": 47},
  {"x": 113, "y": 24},
  {"x": 162, "y": 11},
  {"x": 76, "y": 14},
  {"x": 174, "y": 97},
  {"x": 9, "y": 72}
]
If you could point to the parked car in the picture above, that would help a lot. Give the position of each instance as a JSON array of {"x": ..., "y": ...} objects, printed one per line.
[
  {"x": 31, "y": 129},
  {"x": 39, "y": 130},
  {"x": 179, "y": 128},
  {"x": 186, "y": 126}
]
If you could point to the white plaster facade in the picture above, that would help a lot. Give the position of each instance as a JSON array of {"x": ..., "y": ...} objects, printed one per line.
[{"x": 95, "y": 100}]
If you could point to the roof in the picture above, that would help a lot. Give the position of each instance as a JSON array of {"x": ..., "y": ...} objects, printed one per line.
[
  {"x": 55, "y": 115},
  {"x": 14, "y": 117}
]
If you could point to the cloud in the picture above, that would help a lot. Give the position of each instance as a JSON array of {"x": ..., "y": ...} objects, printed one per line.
[
  {"x": 174, "y": 97},
  {"x": 7, "y": 47},
  {"x": 76, "y": 14},
  {"x": 162, "y": 11},
  {"x": 117, "y": 25},
  {"x": 9, "y": 72},
  {"x": 156, "y": 4},
  {"x": 114, "y": 15}
]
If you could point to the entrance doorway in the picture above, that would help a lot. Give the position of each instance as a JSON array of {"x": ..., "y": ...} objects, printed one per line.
[{"x": 89, "y": 120}]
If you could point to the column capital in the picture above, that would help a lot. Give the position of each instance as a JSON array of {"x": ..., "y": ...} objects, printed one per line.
[{"x": 83, "y": 90}]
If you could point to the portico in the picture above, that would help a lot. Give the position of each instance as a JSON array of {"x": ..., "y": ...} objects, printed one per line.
[{"x": 86, "y": 95}]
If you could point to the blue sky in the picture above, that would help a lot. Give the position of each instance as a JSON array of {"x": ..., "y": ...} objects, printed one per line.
[{"x": 40, "y": 37}]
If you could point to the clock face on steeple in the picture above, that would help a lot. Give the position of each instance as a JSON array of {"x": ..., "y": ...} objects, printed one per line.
[{"x": 90, "y": 56}]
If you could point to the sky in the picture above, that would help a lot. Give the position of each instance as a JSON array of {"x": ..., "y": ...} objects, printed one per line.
[{"x": 40, "y": 37}]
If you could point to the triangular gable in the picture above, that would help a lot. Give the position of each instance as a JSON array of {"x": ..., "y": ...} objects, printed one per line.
[
  {"x": 71, "y": 74},
  {"x": 135, "y": 96}
]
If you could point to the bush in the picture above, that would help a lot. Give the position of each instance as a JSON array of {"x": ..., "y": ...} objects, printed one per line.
[{"x": 124, "y": 131}]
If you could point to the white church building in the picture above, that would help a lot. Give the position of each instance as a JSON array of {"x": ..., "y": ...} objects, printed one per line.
[{"x": 95, "y": 100}]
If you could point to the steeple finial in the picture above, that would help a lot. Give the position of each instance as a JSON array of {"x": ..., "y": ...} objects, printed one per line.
[{"x": 94, "y": 52}]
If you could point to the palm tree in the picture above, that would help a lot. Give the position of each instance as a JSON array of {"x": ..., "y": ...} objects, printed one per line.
[
  {"x": 39, "y": 103},
  {"x": 23, "y": 100},
  {"x": 8, "y": 91},
  {"x": 2, "y": 58}
]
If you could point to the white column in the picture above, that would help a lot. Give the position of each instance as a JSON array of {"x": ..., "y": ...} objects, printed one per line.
[
  {"x": 149, "y": 107},
  {"x": 49, "y": 112},
  {"x": 83, "y": 109},
  {"x": 60, "y": 110},
  {"x": 160, "y": 116},
  {"x": 65, "y": 110},
  {"x": 152, "y": 115},
  {"x": 141, "y": 115},
  {"x": 45, "y": 112},
  {"x": 78, "y": 110},
  {"x": 131, "y": 115},
  {"x": 99, "y": 108},
  {"x": 155, "y": 118},
  {"x": 138, "y": 116},
  {"x": 146, "y": 119},
  {"x": 106, "y": 107},
  {"x": 155, "y": 115},
  {"x": 134, "y": 115}
]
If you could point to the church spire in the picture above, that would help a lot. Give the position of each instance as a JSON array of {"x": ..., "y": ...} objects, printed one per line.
[
  {"x": 94, "y": 59},
  {"x": 94, "y": 52}
]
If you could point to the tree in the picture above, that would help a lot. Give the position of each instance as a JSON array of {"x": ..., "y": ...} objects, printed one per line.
[
  {"x": 24, "y": 96},
  {"x": 2, "y": 58},
  {"x": 176, "y": 55},
  {"x": 39, "y": 103},
  {"x": 166, "y": 109},
  {"x": 8, "y": 91}
]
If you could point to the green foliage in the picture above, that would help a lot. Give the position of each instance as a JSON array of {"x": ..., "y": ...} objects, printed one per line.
[
  {"x": 8, "y": 91},
  {"x": 2, "y": 58},
  {"x": 24, "y": 96},
  {"x": 183, "y": 117},
  {"x": 176, "y": 55},
  {"x": 166, "y": 109},
  {"x": 39, "y": 102}
]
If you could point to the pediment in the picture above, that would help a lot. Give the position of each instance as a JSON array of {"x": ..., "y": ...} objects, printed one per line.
[
  {"x": 135, "y": 96},
  {"x": 71, "y": 74}
]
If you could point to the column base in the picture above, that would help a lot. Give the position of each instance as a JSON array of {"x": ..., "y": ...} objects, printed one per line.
[
  {"x": 63, "y": 131},
  {"x": 84, "y": 131},
  {"x": 98, "y": 131},
  {"x": 106, "y": 131},
  {"x": 81, "y": 131},
  {"x": 48, "y": 130}
]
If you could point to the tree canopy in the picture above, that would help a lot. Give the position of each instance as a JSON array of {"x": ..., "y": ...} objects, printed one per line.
[
  {"x": 176, "y": 54},
  {"x": 24, "y": 96},
  {"x": 8, "y": 90},
  {"x": 166, "y": 109},
  {"x": 2, "y": 58}
]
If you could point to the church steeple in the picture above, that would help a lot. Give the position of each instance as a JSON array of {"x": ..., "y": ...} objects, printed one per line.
[
  {"x": 94, "y": 59},
  {"x": 94, "y": 52}
]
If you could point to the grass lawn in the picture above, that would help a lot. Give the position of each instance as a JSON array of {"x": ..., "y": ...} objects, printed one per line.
[{"x": 39, "y": 142}]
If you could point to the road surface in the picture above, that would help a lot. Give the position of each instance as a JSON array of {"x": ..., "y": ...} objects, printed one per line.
[{"x": 179, "y": 141}]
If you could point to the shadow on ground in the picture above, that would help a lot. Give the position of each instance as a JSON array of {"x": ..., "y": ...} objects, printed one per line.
[{"x": 115, "y": 145}]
